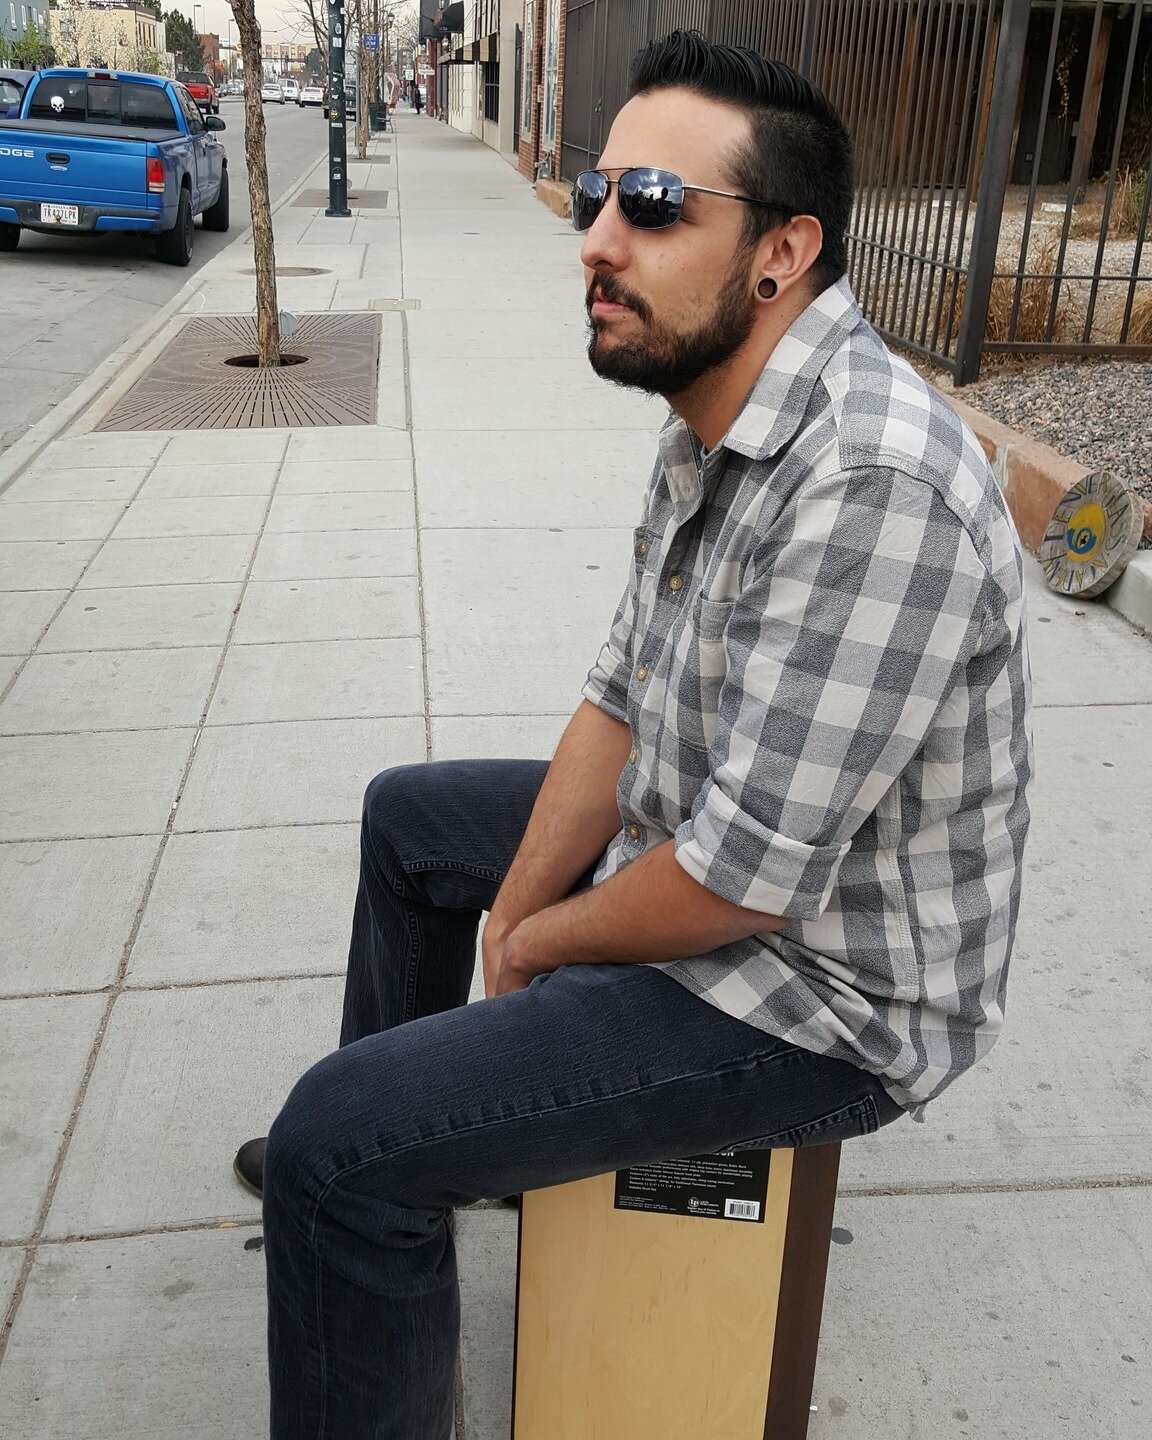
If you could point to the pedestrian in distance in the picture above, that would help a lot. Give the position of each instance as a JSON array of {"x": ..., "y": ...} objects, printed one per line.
[
  {"x": 417, "y": 99},
  {"x": 765, "y": 891}
]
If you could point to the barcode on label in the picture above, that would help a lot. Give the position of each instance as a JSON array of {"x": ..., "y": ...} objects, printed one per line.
[{"x": 741, "y": 1209}]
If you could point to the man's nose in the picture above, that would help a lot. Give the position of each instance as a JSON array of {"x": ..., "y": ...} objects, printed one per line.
[{"x": 606, "y": 241}]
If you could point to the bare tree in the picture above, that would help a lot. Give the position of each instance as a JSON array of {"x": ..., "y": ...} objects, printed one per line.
[
  {"x": 263, "y": 244},
  {"x": 315, "y": 15}
]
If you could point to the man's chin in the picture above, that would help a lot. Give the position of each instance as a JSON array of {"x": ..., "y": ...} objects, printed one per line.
[{"x": 620, "y": 363}]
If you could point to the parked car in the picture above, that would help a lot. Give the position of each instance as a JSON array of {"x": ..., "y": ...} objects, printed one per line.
[
  {"x": 349, "y": 99},
  {"x": 311, "y": 95},
  {"x": 291, "y": 90},
  {"x": 12, "y": 86},
  {"x": 93, "y": 151},
  {"x": 270, "y": 91},
  {"x": 200, "y": 87}
]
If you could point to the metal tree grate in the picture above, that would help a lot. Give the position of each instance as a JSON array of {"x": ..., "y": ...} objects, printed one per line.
[
  {"x": 361, "y": 199},
  {"x": 190, "y": 385}
]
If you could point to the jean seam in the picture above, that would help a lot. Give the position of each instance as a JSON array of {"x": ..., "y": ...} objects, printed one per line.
[
  {"x": 865, "y": 1108},
  {"x": 767, "y": 1060},
  {"x": 321, "y": 1347},
  {"x": 395, "y": 878},
  {"x": 455, "y": 867}
]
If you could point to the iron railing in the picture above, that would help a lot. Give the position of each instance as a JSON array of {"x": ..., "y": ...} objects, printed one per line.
[{"x": 1003, "y": 155}]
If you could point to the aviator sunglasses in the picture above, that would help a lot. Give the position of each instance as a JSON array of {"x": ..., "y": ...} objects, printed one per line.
[{"x": 648, "y": 199}]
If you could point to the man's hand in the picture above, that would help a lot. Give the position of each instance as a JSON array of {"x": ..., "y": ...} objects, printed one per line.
[{"x": 502, "y": 956}]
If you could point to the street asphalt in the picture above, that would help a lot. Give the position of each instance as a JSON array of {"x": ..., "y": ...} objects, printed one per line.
[{"x": 211, "y": 640}]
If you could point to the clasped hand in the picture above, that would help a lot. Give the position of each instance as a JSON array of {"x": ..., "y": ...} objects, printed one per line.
[{"x": 506, "y": 955}]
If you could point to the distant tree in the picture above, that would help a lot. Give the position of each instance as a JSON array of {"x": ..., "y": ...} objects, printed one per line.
[
  {"x": 181, "y": 40},
  {"x": 153, "y": 8},
  {"x": 32, "y": 51}
]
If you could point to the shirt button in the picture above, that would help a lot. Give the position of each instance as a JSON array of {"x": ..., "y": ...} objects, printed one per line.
[
  {"x": 641, "y": 672},
  {"x": 676, "y": 582},
  {"x": 634, "y": 832},
  {"x": 633, "y": 755}
]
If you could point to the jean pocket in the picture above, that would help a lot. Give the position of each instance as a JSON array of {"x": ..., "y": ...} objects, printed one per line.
[{"x": 861, "y": 1117}]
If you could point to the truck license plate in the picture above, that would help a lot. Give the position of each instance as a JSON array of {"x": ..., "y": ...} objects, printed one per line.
[{"x": 59, "y": 214}]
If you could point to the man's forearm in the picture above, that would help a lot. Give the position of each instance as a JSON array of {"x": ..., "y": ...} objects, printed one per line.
[
  {"x": 649, "y": 911},
  {"x": 573, "y": 820}
]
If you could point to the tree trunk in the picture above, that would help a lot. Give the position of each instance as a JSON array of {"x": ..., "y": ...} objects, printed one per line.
[{"x": 263, "y": 244}]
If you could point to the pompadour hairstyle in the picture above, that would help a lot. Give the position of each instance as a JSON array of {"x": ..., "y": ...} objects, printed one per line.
[{"x": 798, "y": 152}]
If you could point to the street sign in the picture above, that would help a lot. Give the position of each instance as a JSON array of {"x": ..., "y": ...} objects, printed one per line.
[{"x": 371, "y": 42}]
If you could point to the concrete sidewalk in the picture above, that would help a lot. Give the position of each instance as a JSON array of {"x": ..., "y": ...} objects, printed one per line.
[{"x": 212, "y": 640}]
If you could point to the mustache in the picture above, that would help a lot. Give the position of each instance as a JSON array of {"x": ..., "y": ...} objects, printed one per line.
[{"x": 607, "y": 287}]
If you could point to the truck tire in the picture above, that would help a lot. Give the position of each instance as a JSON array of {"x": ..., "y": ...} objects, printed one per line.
[
  {"x": 216, "y": 216},
  {"x": 9, "y": 236},
  {"x": 174, "y": 246}
]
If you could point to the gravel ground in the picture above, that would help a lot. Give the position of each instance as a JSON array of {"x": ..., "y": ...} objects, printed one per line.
[{"x": 1100, "y": 415}]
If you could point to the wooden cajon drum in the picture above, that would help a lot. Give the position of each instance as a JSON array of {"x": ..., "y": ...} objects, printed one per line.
[{"x": 651, "y": 1306}]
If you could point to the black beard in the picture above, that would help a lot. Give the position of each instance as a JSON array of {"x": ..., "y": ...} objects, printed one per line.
[{"x": 666, "y": 363}]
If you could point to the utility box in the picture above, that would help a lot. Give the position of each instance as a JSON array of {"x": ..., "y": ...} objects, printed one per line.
[{"x": 677, "y": 1300}]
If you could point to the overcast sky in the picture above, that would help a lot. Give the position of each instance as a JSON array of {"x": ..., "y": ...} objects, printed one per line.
[{"x": 285, "y": 21}]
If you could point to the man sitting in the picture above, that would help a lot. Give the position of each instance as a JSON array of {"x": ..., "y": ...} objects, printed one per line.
[{"x": 765, "y": 892}]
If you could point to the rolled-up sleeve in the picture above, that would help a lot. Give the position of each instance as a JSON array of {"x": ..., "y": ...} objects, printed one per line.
[
  {"x": 857, "y": 616},
  {"x": 607, "y": 682}
]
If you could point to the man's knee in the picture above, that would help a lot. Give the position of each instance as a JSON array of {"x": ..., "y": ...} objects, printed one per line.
[
  {"x": 298, "y": 1158},
  {"x": 392, "y": 804},
  {"x": 390, "y": 794}
]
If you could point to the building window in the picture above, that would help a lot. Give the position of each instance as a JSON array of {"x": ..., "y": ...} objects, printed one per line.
[
  {"x": 528, "y": 49},
  {"x": 491, "y": 91}
]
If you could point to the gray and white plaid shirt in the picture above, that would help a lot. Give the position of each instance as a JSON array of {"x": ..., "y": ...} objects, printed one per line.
[{"x": 821, "y": 657}]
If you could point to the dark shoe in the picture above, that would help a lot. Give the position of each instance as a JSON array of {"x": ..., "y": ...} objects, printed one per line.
[{"x": 249, "y": 1166}]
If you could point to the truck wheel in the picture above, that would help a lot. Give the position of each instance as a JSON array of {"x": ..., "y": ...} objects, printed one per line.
[
  {"x": 174, "y": 246},
  {"x": 216, "y": 216},
  {"x": 9, "y": 236}
]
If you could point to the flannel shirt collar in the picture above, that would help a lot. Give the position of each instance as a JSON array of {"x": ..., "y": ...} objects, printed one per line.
[{"x": 775, "y": 408}]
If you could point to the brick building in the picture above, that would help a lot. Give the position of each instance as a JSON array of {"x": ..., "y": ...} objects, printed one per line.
[{"x": 541, "y": 88}]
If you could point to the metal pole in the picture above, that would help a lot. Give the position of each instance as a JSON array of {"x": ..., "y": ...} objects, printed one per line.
[
  {"x": 337, "y": 114},
  {"x": 808, "y": 37},
  {"x": 992, "y": 185}
]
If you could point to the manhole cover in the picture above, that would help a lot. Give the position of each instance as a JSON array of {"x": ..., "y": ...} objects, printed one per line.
[
  {"x": 292, "y": 270},
  {"x": 192, "y": 386}
]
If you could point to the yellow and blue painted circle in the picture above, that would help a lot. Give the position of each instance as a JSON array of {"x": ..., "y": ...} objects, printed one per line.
[{"x": 1093, "y": 533}]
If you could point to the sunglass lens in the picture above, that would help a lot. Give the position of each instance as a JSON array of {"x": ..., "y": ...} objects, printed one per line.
[
  {"x": 651, "y": 199},
  {"x": 588, "y": 196}
]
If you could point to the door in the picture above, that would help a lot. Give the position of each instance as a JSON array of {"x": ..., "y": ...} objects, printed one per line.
[{"x": 205, "y": 160}]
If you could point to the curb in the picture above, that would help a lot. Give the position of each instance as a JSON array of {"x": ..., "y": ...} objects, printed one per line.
[
  {"x": 1034, "y": 479},
  {"x": 36, "y": 439},
  {"x": 557, "y": 195}
]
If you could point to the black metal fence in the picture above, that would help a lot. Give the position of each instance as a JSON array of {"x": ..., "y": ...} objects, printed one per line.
[{"x": 1003, "y": 155}]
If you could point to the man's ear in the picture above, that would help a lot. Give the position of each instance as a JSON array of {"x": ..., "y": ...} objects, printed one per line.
[{"x": 786, "y": 254}]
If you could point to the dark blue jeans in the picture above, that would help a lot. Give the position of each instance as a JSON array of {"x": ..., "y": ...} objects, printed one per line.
[{"x": 431, "y": 1103}]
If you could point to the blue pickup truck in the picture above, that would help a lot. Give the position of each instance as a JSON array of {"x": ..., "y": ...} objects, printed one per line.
[{"x": 92, "y": 151}]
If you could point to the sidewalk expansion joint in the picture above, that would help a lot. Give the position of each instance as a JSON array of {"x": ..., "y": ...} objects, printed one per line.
[{"x": 996, "y": 1187}]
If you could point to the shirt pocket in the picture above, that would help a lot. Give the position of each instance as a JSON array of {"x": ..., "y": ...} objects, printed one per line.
[{"x": 698, "y": 669}]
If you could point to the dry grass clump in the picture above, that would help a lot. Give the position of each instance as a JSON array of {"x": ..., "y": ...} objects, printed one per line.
[
  {"x": 1140, "y": 325},
  {"x": 1123, "y": 217},
  {"x": 1035, "y": 303}
]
